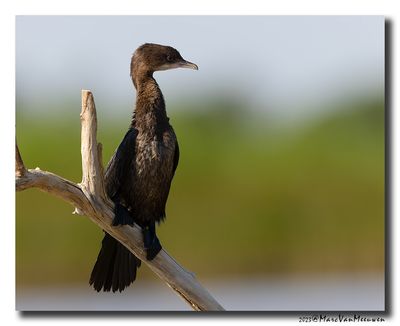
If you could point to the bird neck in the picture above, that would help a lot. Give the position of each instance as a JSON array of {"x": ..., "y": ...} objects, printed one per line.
[{"x": 150, "y": 109}]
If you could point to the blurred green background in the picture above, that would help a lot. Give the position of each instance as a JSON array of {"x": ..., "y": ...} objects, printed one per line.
[
  {"x": 281, "y": 134},
  {"x": 247, "y": 197}
]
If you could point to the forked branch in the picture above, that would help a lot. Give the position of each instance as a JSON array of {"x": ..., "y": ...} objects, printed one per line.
[{"x": 89, "y": 198}]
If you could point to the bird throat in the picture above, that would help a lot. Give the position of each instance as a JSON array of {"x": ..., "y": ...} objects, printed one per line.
[{"x": 150, "y": 114}]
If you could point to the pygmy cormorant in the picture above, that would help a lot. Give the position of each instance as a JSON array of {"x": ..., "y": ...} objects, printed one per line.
[{"x": 139, "y": 175}]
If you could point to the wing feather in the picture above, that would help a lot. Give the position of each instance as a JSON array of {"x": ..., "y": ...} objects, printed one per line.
[{"x": 119, "y": 165}]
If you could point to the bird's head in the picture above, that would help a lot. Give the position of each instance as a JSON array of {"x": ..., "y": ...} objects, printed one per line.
[{"x": 154, "y": 57}]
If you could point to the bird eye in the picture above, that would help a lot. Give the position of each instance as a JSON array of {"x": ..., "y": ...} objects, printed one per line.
[{"x": 169, "y": 58}]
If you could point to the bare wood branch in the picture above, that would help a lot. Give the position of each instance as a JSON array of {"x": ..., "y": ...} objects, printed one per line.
[
  {"x": 90, "y": 199},
  {"x": 92, "y": 169}
]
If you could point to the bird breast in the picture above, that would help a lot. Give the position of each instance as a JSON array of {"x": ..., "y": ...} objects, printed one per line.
[
  {"x": 154, "y": 157},
  {"x": 153, "y": 175}
]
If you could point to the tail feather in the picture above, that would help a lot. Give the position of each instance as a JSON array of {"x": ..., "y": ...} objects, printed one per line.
[
  {"x": 100, "y": 273},
  {"x": 115, "y": 270},
  {"x": 131, "y": 269},
  {"x": 115, "y": 267},
  {"x": 123, "y": 269}
]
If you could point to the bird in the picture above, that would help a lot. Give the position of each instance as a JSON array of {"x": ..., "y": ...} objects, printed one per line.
[{"x": 139, "y": 174}]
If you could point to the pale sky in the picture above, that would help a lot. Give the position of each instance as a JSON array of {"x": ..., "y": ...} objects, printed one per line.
[{"x": 274, "y": 63}]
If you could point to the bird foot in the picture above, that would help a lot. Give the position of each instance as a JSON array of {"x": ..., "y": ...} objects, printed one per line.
[
  {"x": 151, "y": 243},
  {"x": 122, "y": 215}
]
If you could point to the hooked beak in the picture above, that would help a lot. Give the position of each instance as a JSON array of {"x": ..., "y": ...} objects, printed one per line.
[
  {"x": 179, "y": 64},
  {"x": 187, "y": 64}
]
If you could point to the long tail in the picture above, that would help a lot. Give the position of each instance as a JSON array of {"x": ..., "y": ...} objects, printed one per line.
[{"x": 115, "y": 268}]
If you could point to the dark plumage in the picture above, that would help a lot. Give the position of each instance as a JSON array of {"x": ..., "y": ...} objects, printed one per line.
[{"x": 138, "y": 176}]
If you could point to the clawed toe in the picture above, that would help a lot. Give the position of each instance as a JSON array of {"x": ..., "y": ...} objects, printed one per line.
[
  {"x": 122, "y": 216},
  {"x": 151, "y": 242},
  {"x": 154, "y": 249}
]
